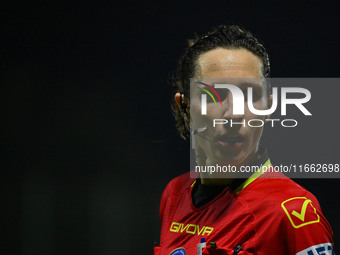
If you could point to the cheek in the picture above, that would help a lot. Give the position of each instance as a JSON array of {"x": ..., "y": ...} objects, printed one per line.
[
  {"x": 196, "y": 118},
  {"x": 255, "y": 135},
  {"x": 213, "y": 112}
]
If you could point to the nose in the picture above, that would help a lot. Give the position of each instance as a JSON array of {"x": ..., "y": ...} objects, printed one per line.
[{"x": 228, "y": 109}]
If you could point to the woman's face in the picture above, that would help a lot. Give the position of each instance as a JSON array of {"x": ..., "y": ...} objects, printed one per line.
[{"x": 226, "y": 144}]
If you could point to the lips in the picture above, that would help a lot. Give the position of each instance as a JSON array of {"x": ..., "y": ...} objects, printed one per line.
[{"x": 230, "y": 140}]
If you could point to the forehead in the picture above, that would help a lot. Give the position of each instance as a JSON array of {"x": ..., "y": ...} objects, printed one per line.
[{"x": 228, "y": 63}]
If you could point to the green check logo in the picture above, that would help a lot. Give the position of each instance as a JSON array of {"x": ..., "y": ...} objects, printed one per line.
[
  {"x": 307, "y": 215},
  {"x": 302, "y": 214}
]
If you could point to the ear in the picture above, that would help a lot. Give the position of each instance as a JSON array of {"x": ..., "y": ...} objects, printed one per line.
[{"x": 178, "y": 99}]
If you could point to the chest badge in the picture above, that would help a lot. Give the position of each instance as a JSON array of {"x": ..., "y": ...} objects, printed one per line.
[{"x": 178, "y": 251}]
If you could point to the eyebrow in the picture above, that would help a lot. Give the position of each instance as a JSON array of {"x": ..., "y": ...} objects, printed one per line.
[{"x": 249, "y": 84}]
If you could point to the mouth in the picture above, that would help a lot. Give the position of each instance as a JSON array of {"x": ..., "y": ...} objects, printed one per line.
[{"x": 230, "y": 140}]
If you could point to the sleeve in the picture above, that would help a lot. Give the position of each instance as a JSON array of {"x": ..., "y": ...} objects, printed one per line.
[
  {"x": 158, "y": 249},
  {"x": 163, "y": 203},
  {"x": 166, "y": 207},
  {"x": 308, "y": 232},
  {"x": 170, "y": 194},
  {"x": 291, "y": 223}
]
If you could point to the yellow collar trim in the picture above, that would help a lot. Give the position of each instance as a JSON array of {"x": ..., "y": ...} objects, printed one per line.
[{"x": 253, "y": 177}]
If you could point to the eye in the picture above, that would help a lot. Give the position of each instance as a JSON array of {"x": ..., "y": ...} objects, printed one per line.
[
  {"x": 210, "y": 99},
  {"x": 256, "y": 90},
  {"x": 223, "y": 93},
  {"x": 257, "y": 94},
  {"x": 245, "y": 93}
]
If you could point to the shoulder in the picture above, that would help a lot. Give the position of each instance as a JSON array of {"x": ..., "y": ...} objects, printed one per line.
[
  {"x": 278, "y": 193},
  {"x": 276, "y": 187},
  {"x": 281, "y": 207},
  {"x": 178, "y": 185},
  {"x": 174, "y": 189}
]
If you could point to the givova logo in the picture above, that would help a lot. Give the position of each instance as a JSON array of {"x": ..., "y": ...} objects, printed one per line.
[{"x": 192, "y": 229}]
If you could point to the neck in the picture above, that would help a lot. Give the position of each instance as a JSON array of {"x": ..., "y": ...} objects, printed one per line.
[{"x": 218, "y": 179}]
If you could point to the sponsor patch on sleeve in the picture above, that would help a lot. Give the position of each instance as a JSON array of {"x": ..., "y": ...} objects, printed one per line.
[
  {"x": 300, "y": 211},
  {"x": 319, "y": 249}
]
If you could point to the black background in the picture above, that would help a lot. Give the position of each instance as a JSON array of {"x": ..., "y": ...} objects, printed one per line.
[{"x": 89, "y": 141}]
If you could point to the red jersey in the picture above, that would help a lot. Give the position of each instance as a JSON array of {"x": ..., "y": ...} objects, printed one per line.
[{"x": 262, "y": 216}]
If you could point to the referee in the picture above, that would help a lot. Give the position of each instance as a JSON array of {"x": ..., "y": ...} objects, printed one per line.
[{"x": 263, "y": 213}]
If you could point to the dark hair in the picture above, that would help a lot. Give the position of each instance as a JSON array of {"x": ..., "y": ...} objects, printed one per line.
[{"x": 228, "y": 37}]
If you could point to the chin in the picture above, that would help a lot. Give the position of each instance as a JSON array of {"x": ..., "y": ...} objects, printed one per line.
[
  {"x": 235, "y": 157},
  {"x": 229, "y": 160}
]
